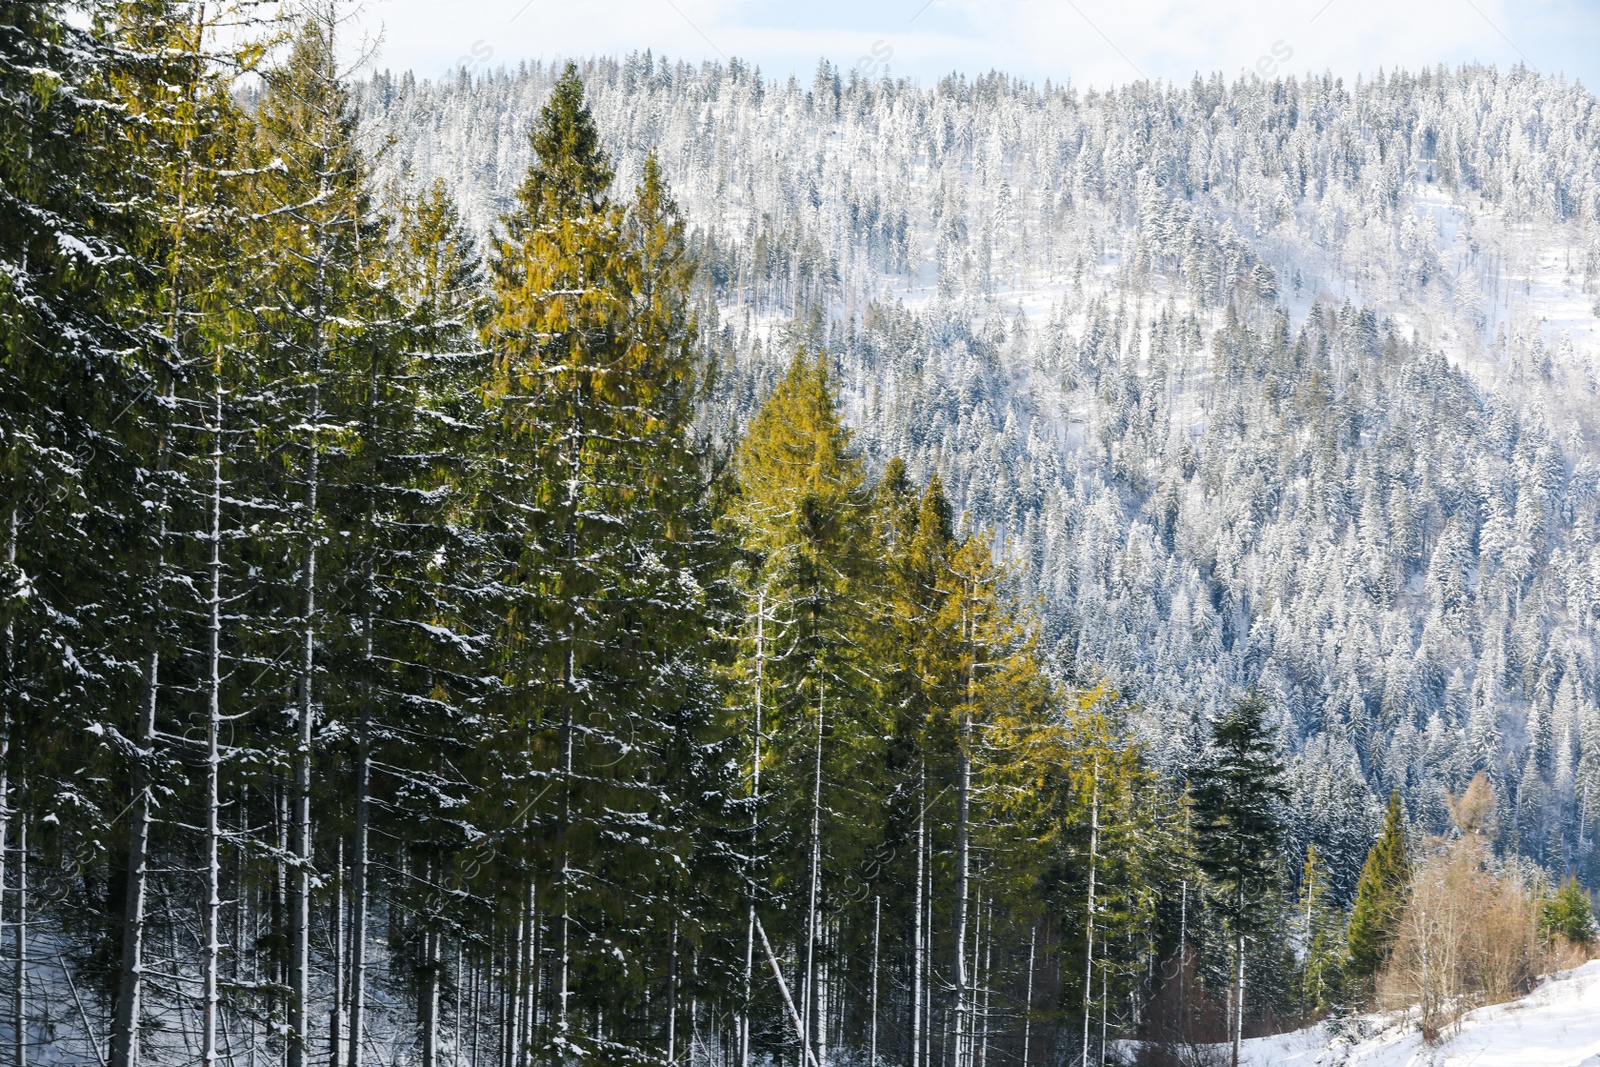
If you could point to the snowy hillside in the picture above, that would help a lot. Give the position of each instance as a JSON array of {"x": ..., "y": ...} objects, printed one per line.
[
  {"x": 1557, "y": 1025},
  {"x": 1286, "y": 384}
]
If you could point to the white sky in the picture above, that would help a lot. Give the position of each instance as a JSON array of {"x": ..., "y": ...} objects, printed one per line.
[{"x": 1091, "y": 42}]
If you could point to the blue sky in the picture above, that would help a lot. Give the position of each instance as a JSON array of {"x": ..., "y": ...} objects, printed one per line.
[{"x": 1090, "y": 42}]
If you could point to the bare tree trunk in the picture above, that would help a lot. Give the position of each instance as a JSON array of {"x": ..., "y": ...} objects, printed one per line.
[
  {"x": 927, "y": 959},
  {"x": 428, "y": 997},
  {"x": 529, "y": 968},
  {"x": 359, "y": 893},
  {"x": 300, "y": 880},
  {"x": 5, "y": 723},
  {"x": 963, "y": 875},
  {"x": 1238, "y": 1011},
  {"x": 1088, "y": 964},
  {"x": 126, "y": 1026},
  {"x": 460, "y": 988},
  {"x": 516, "y": 979},
  {"x": 986, "y": 981},
  {"x": 1104, "y": 1001},
  {"x": 1027, "y": 1007},
  {"x": 338, "y": 941},
  {"x": 477, "y": 1008},
  {"x": 877, "y": 921},
  {"x": 508, "y": 981},
  {"x": 19, "y": 1019},
  {"x": 917, "y": 947},
  {"x": 755, "y": 823},
  {"x": 749, "y": 964},
  {"x": 1183, "y": 961},
  {"x": 809, "y": 991},
  {"x": 5, "y": 727},
  {"x": 566, "y": 859},
  {"x": 788, "y": 1001},
  {"x": 672, "y": 996},
  {"x": 825, "y": 940},
  {"x": 213, "y": 905}
]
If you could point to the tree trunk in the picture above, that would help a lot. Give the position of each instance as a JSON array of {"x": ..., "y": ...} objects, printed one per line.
[
  {"x": 1088, "y": 964},
  {"x": 428, "y": 997},
  {"x": 825, "y": 941},
  {"x": 788, "y": 1001},
  {"x": 672, "y": 995},
  {"x": 341, "y": 976},
  {"x": 755, "y": 823},
  {"x": 19, "y": 1018},
  {"x": 477, "y": 1009},
  {"x": 359, "y": 862},
  {"x": 126, "y": 1026},
  {"x": 963, "y": 874},
  {"x": 300, "y": 880},
  {"x": 1027, "y": 1005},
  {"x": 1238, "y": 1009},
  {"x": 809, "y": 992},
  {"x": 213, "y": 905},
  {"x": 6, "y": 661},
  {"x": 1183, "y": 961},
  {"x": 927, "y": 959},
  {"x": 529, "y": 968},
  {"x": 986, "y": 981},
  {"x": 508, "y": 982},
  {"x": 460, "y": 988},
  {"x": 566, "y": 859},
  {"x": 877, "y": 921},
  {"x": 917, "y": 947},
  {"x": 1105, "y": 1001}
]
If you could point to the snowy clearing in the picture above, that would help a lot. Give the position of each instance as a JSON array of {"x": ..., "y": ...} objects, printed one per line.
[{"x": 1557, "y": 1025}]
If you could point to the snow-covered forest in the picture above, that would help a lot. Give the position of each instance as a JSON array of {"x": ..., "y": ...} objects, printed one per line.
[
  {"x": 1288, "y": 384},
  {"x": 621, "y": 562}
]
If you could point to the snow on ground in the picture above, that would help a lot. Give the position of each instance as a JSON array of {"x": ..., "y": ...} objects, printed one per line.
[{"x": 1557, "y": 1025}]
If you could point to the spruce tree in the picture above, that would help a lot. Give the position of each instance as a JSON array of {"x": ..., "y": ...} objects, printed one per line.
[
  {"x": 321, "y": 337},
  {"x": 590, "y": 502},
  {"x": 1569, "y": 913},
  {"x": 1239, "y": 793},
  {"x": 803, "y": 514},
  {"x": 1380, "y": 896},
  {"x": 73, "y": 419}
]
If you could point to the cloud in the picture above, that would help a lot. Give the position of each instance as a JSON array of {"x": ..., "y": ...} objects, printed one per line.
[{"x": 1090, "y": 42}]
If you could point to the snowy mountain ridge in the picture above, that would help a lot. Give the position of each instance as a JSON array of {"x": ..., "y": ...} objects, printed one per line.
[{"x": 1287, "y": 384}]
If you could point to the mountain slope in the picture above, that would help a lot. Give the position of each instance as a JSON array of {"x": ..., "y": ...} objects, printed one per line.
[
  {"x": 1556, "y": 1025},
  {"x": 1285, "y": 384}
]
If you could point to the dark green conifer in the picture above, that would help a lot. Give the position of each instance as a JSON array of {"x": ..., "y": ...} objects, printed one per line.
[
  {"x": 1238, "y": 803},
  {"x": 1380, "y": 896}
]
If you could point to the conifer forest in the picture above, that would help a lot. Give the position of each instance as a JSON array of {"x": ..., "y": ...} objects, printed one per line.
[{"x": 630, "y": 562}]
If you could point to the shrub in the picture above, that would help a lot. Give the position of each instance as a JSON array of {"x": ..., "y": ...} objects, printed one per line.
[
  {"x": 1468, "y": 936},
  {"x": 1568, "y": 914}
]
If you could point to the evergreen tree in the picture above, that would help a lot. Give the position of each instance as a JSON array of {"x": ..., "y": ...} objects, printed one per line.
[
  {"x": 1319, "y": 927},
  {"x": 1569, "y": 913},
  {"x": 322, "y": 340},
  {"x": 802, "y": 513},
  {"x": 1380, "y": 896},
  {"x": 180, "y": 138},
  {"x": 590, "y": 501},
  {"x": 1238, "y": 802}
]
